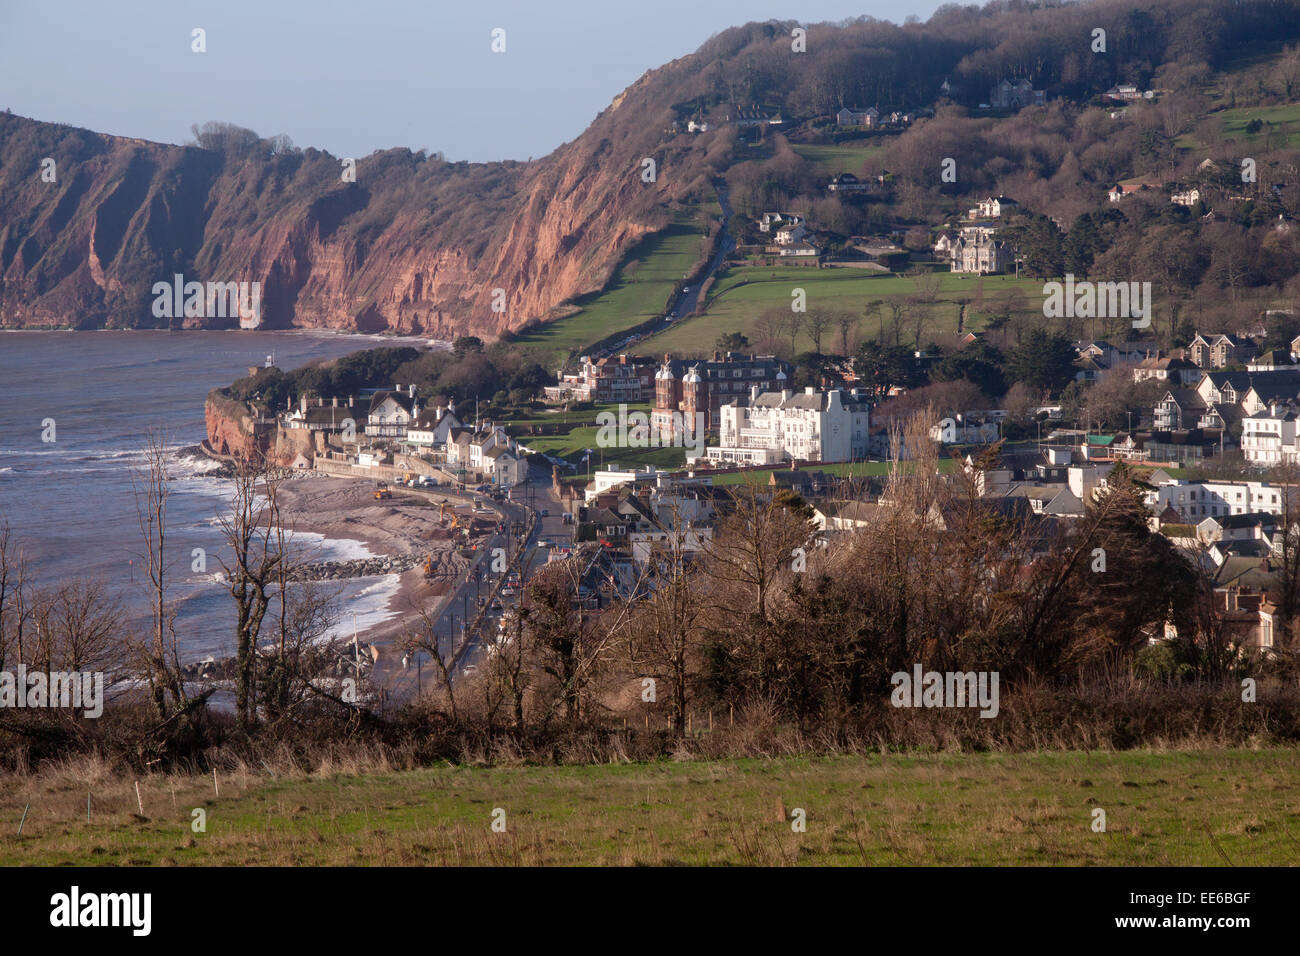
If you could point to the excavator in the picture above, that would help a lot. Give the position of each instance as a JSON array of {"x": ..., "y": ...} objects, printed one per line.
[{"x": 382, "y": 492}]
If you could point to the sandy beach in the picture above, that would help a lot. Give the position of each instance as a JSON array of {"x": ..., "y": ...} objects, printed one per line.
[{"x": 340, "y": 508}]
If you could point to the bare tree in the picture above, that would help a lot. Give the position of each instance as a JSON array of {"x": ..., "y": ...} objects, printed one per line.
[
  {"x": 662, "y": 637},
  {"x": 847, "y": 323},
  {"x": 817, "y": 323},
  {"x": 160, "y": 662},
  {"x": 251, "y": 571},
  {"x": 753, "y": 547}
]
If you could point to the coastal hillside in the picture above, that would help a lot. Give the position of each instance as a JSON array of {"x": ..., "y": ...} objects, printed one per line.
[{"x": 419, "y": 245}]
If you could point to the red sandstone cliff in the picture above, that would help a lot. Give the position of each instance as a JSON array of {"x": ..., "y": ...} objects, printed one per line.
[{"x": 415, "y": 245}]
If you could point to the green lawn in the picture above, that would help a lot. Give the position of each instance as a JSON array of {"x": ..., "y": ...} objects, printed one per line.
[
  {"x": 860, "y": 159},
  {"x": 742, "y": 294},
  {"x": 1234, "y": 126},
  {"x": 1162, "y": 808},
  {"x": 638, "y": 291},
  {"x": 559, "y": 417},
  {"x": 857, "y": 469},
  {"x": 573, "y": 445}
]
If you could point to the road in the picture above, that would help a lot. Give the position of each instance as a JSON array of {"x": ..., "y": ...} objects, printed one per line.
[
  {"x": 686, "y": 302},
  {"x": 536, "y": 494}
]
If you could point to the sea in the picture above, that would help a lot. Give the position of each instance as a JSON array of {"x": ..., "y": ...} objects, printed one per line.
[{"x": 70, "y": 502}]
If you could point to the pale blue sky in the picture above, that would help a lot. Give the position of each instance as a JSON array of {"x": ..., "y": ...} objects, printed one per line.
[{"x": 351, "y": 76}]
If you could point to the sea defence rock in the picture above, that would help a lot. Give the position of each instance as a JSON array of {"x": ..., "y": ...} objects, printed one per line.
[{"x": 356, "y": 568}]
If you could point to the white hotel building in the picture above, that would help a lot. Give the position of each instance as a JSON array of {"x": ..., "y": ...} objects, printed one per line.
[
  {"x": 1196, "y": 500},
  {"x": 784, "y": 426}
]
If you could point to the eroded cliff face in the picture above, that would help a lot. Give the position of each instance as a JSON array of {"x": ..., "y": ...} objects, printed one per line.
[
  {"x": 231, "y": 430},
  {"x": 414, "y": 246}
]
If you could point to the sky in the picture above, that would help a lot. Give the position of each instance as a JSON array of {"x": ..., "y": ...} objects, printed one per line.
[{"x": 351, "y": 77}]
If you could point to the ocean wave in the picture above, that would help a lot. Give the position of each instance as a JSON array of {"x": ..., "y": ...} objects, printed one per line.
[
  {"x": 367, "y": 607},
  {"x": 331, "y": 549}
]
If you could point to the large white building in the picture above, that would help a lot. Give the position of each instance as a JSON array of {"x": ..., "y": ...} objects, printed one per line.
[
  {"x": 785, "y": 426},
  {"x": 1195, "y": 500},
  {"x": 1269, "y": 437}
]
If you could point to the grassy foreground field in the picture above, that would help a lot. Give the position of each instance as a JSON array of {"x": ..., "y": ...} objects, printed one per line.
[{"x": 1162, "y": 808}]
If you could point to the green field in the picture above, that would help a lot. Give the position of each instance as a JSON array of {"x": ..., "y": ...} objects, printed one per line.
[
  {"x": 572, "y": 446},
  {"x": 1162, "y": 808},
  {"x": 857, "y": 469},
  {"x": 1234, "y": 126},
  {"x": 740, "y": 295},
  {"x": 639, "y": 290},
  {"x": 829, "y": 161}
]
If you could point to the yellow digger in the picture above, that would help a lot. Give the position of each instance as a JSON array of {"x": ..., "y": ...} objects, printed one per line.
[{"x": 382, "y": 492}]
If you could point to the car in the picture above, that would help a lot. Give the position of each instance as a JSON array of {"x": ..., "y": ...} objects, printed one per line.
[
  {"x": 546, "y": 513},
  {"x": 543, "y": 544}
]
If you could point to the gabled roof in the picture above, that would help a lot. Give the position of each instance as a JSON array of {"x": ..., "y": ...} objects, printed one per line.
[
  {"x": 1187, "y": 399},
  {"x": 401, "y": 399},
  {"x": 847, "y": 510}
]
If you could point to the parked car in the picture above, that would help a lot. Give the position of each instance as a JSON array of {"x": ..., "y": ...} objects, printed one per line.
[{"x": 546, "y": 513}]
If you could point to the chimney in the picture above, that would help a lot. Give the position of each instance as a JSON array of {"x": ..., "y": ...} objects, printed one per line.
[
  {"x": 335, "y": 401},
  {"x": 717, "y": 355},
  {"x": 320, "y": 401},
  {"x": 809, "y": 390},
  {"x": 302, "y": 404},
  {"x": 349, "y": 401}
]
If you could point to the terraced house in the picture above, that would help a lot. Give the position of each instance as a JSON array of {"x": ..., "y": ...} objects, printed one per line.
[{"x": 1220, "y": 350}]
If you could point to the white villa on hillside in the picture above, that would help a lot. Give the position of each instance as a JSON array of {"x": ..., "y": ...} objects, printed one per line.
[{"x": 783, "y": 426}]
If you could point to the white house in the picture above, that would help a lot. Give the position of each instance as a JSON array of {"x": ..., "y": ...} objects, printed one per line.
[
  {"x": 790, "y": 233},
  {"x": 994, "y": 207},
  {"x": 778, "y": 219},
  {"x": 1269, "y": 437},
  {"x": 391, "y": 412},
  {"x": 1196, "y": 500},
  {"x": 780, "y": 426},
  {"x": 430, "y": 428},
  {"x": 485, "y": 454}
]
